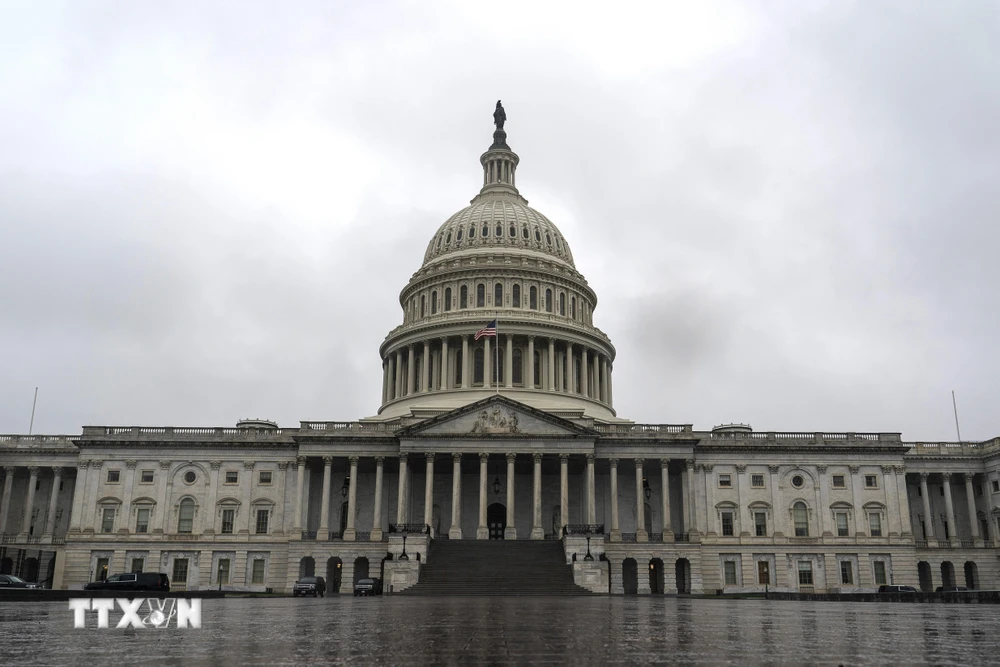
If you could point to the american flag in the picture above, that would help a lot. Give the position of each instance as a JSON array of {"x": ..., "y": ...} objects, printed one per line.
[{"x": 489, "y": 330}]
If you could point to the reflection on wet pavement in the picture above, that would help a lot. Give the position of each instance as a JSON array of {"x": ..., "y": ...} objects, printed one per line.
[{"x": 598, "y": 630}]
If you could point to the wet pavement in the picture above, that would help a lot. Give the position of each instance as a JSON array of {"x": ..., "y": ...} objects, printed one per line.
[{"x": 598, "y": 630}]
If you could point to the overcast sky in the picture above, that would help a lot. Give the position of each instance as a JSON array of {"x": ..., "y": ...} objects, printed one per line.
[{"x": 788, "y": 210}]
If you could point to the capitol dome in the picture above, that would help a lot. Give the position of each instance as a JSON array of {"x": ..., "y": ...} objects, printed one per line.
[{"x": 497, "y": 259}]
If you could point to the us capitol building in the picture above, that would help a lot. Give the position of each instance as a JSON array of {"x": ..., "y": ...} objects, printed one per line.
[{"x": 507, "y": 437}]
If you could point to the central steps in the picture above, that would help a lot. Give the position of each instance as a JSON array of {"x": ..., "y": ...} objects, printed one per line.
[{"x": 496, "y": 567}]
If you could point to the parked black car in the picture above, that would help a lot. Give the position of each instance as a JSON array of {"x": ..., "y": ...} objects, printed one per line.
[
  {"x": 888, "y": 588},
  {"x": 132, "y": 581},
  {"x": 10, "y": 581},
  {"x": 368, "y": 587},
  {"x": 314, "y": 586}
]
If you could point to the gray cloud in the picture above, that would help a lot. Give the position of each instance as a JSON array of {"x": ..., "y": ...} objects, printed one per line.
[{"x": 787, "y": 214}]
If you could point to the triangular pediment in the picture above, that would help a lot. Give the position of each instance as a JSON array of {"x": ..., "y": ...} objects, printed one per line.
[{"x": 496, "y": 416}]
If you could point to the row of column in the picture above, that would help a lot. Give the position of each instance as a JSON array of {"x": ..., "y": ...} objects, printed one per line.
[
  {"x": 558, "y": 368},
  {"x": 949, "y": 505},
  {"x": 29, "y": 501}
]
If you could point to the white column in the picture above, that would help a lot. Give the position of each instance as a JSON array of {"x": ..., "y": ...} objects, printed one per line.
[
  {"x": 604, "y": 380},
  {"x": 425, "y": 368},
  {"x": 860, "y": 529},
  {"x": 971, "y": 500},
  {"x": 611, "y": 395},
  {"x": 30, "y": 501},
  {"x": 324, "y": 509},
  {"x": 710, "y": 516},
  {"x": 537, "y": 532},
  {"x": 164, "y": 485},
  {"x": 445, "y": 371},
  {"x": 350, "y": 531},
  {"x": 571, "y": 387},
  {"x": 641, "y": 535},
  {"x": 777, "y": 511},
  {"x": 591, "y": 493},
  {"x": 552, "y": 365},
  {"x": 208, "y": 516},
  {"x": 904, "y": 502},
  {"x": 411, "y": 371},
  {"x": 482, "y": 531},
  {"x": 300, "y": 471},
  {"x": 949, "y": 507},
  {"x": 377, "y": 512},
  {"x": 127, "y": 484},
  {"x": 563, "y": 491},
  {"x": 825, "y": 529},
  {"x": 531, "y": 363},
  {"x": 399, "y": 384},
  {"x": 584, "y": 373},
  {"x": 79, "y": 497},
  {"x": 401, "y": 509},
  {"x": 429, "y": 494},
  {"x": 455, "y": 533},
  {"x": 668, "y": 528},
  {"x": 928, "y": 518},
  {"x": 892, "y": 528},
  {"x": 508, "y": 364},
  {"x": 50, "y": 519},
  {"x": 247, "y": 487},
  {"x": 466, "y": 362},
  {"x": 8, "y": 484},
  {"x": 616, "y": 533},
  {"x": 510, "y": 532},
  {"x": 385, "y": 382}
]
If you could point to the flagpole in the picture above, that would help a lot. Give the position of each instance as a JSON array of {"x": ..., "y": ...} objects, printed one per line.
[{"x": 496, "y": 366}]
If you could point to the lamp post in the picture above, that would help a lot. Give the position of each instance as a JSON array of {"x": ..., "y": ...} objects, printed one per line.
[
  {"x": 589, "y": 557},
  {"x": 403, "y": 555}
]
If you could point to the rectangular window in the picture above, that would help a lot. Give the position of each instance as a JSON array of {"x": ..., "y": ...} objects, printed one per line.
[
  {"x": 232, "y": 477},
  {"x": 757, "y": 481},
  {"x": 838, "y": 482},
  {"x": 114, "y": 476},
  {"x": 880, "y": 578},
  {"x": 108, "y": 520},
  {"x": 763, "y": 573},
  {"x": 727, "y": 524},
  {"x": 262, "y": 521},
  {"x": 142, "y": 520},
  {"x": 805, "y": 573},
  {"x": 180, "y": 571},
  {"x": 257, "y": 576},
  {"x": 228, "y": 518},
  {"x": 800, "y": 515},
  {"x": 146, "y": 477},
  {"x": 842, "y": 529},
  {"x": 101, "y": 572},
  {"x": 760, "y": 524},
  {"x": 265, "y": 477},
  {"x": 947, "y": 533},
  {"x": 223, "y": 576},
  {"x": 996, "y": 485},
  {"x": 979, "y": 489},
  {"x": 138, "y": 564},
  {"x": 729, "y": 569},
  {"x": 725, "y": 481},
  {"x": 875, "y": 524},
  {"x": 185, "y": 516},
  {"x": 871, "y": 481},
  {"x": 846, "y": 572}
]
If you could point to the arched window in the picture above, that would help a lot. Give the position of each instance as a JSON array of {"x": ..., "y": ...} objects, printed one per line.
[
  {"x": 533, "y": 298},
  {"x": 458, "y": 235},
  {"x": 463, "y": 297},
  {"x": 185, "y": 516},
  {"x": 517, "y": 366},
  {"x": 562, "y": 303},
  {"x": 447, "y": 299},
  {"x": 548, "y": 301},
  {"x": 458, "y": 367},
  {"x": 515, "y": 296},
  {"x": 434, "y": 302},
  {"x": 512, "y": 231},
  {"x": 498, "y": 232},
  {"x": 800, "y": 517},
  {"x": 447, "y": 239},
  {"x": 572, "y": 307},
  {"x": 423, "y": 305},
  {"x": 538, "y": 237},
  {"x": 486, "y": 230},
  {"x": 480, "y": 295},
  {"x": 524, "y": 232},
  {"x": 439, "y": 242},
  {"x": 477, "y": 377},
  {"x": 548, "y": 238},
  {"x": 538, "y": 368},
  {"x": 498, "y": 295}
]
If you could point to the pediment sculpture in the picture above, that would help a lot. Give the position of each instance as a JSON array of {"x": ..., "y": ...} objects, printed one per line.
[{"x": 496, "y": 421}]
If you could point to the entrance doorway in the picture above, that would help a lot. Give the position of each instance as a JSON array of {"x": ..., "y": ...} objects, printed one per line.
[
  {"x": 682, "y": 571},
  {"x": 496, "y": 519},
  {"x": 630, "y": 576},
  {"x": 656, "y": 576},
  {"x": 924, "y": 572},
  {"x": 334, "y": 567}
]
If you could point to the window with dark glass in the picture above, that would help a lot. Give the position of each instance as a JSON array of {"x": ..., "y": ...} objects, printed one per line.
[
  {"x": 805, "y": 573},
  {"x": 423, "y": 305},
  {"x": 185, "y": 516},
  {"x": 800, "y": 516},
  {"x": 463, "y": 297},
  {"x": 108, "y": 520},
  {"x": 228, "y": 518},
  {"x": 729, "y": 568},
  {"x": 846, "y": 572},
  {"x": 538, "y": 368},
  {"x": 533, "y": 298},
  {"x": 434, "y": 303},
  {"x": 458, "y": 367},
  {"x": 142, "y": 520},
  {"x": 477, "y": 368},
  {"x": 841, "y": 519},
  {"x": 760, "y": 524},
  {"x": 180, "y": 571},
  {"x": 572, "y": 307},
  {"x": 727, "y": 524},
  {"x": 548, "y": 301},
  {"x": 517, "y": 367},
  {"x": 562, "y": 303},
  {"x": 447, "y": 299},
  {"x": 480, "y": 296},
  {"x": 515, "y": 296},
  {"x": 498, "y": 295},
  {"x": 262, "y": 516}
]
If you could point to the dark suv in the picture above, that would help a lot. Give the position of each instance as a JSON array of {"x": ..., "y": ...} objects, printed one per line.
[
  {"x": 314, "y": 586},
  {"x": 368, "y": 587},
  {"x": 132, "y": 581}
]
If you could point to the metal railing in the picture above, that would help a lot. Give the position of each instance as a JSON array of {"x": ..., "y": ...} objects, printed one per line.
[
  {"x": 419, "y": 528},
  {"x": 629, "y": 537},
  {"x": 682, "y": 537},
  {"x": 308, "y": 534},
  {"x": 584, "y": 529},
  {"x": 656, "y": 537}
]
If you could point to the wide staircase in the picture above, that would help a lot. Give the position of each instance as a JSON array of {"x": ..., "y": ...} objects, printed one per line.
[{"x": 496, "y": 567}]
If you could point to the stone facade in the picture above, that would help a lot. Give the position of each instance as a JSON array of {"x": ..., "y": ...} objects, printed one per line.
[{"x": 521, "y": 441}]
